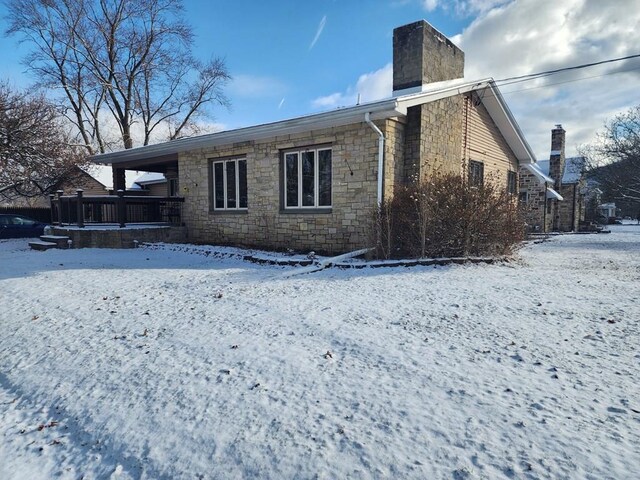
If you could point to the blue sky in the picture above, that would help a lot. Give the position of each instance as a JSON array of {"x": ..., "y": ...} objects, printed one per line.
[
  {"x": 291, "y": 58},
  {"x": 270, "y": 50}
]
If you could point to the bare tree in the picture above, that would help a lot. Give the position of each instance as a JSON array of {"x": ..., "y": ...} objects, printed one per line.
[
  {"x": 130, "y": 58},
  {"x": 35, "y": 150},
  {"x": 614, "y": 158}
]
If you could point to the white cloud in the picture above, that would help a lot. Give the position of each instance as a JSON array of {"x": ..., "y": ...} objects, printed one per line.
[
  {"x": 463, "y": 7},
  {"x": 524, "y": 36},
  {"x": 247, "y": 85},
  {"x": 370, "y": 86},
  {"x": 430, "y": 5},
  {"x": 323, "y": 22}
]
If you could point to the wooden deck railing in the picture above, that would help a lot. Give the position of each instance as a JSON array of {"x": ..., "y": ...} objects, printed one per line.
[{"x": 119, "y": 209}]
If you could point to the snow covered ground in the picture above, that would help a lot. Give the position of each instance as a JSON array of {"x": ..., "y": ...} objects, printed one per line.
[{"x": 159, "y": 364}]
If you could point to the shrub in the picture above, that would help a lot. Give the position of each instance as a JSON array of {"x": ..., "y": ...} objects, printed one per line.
[{"x": 445, "y": 216}]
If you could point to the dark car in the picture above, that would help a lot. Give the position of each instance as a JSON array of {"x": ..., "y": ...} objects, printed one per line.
[{"x": 18, "y": 226}]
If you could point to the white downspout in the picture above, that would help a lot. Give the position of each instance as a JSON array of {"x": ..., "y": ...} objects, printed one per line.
[{"x": 367, "y": 118}]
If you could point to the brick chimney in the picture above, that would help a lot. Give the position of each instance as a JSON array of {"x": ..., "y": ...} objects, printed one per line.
[
  {"x": 556, "y": 158},
  {"x": 423, "y": 55}
]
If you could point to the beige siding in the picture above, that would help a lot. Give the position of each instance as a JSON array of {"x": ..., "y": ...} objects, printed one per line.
[
  {"x": 485, "y": 143},
  {"x": 158, "y": 189}
]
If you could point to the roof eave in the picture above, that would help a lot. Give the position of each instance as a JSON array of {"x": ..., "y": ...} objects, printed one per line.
[
  {"x": 511, "y": 131},
  {"x": 377, "y": 110}
]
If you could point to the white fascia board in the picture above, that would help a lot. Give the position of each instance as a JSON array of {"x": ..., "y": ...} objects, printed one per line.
[
  {"x": 506, "y": 123},
  {"x": 494, "y": 103},
  {"x": 551, "y": 193},
  {"x": 427, "y": 96},
  {"x": 535, "y": 170},
  {"x": 378, "y": 110}
]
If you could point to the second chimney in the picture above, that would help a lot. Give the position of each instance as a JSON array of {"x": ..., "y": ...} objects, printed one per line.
[{"x": 556, "y": 158}]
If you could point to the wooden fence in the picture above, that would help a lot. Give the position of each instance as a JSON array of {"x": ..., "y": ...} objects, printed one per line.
[
  {"x": 42, "y": 214},
  {"x": 119, "y": 209}
]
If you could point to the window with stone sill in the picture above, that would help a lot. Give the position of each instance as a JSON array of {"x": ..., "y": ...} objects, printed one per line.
[
  {"x": 230, "y": 184},
  {"x": 307, "y": 178}
]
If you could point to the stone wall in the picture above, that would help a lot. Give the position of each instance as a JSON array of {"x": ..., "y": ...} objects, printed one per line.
[
  {"x": 394, "y": 174},
  {"x": 534, "y": 208},
  {"x": 92, "y": 237},
  {"x": 422, "y": 55},
  {"x": 433, "y": 138},
  {"x": 571, "y": 210},
  {"x": 265, "y": 224}
]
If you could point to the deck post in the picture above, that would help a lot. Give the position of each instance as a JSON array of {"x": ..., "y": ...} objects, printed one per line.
[
  {"x": 52, "y": 206},
  {"x": 59, "y": 194},
  {"x": 80, "y": 209},
  {"x": 121, "y": 209}
]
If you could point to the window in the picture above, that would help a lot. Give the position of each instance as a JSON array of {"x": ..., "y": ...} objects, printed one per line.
[
  {"x": 230, "y": 184},
  {"x": 524, "y": 197},
  {"x": 476, "y": 173},
  {"x": 512, "y": 186},
  {"x": 307, "y": 178},
  {"x": 173, "y": 187}
]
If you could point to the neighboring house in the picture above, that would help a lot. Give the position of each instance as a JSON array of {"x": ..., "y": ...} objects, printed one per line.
[
  {"x": 558, "y": 203},
  {"x": 78, "y": 179},
  {"x": 313, "y": 182},
  {"x": 155, "y": 184},
  {"x": 607, "y": 210}
]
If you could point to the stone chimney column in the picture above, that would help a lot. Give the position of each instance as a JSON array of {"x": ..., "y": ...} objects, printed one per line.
[
  {"x": 423, "y": 55},
  {"x": 556, "y": 158}
]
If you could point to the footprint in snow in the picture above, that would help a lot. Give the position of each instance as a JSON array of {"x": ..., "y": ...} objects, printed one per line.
[{"x": 616, "y": 410}]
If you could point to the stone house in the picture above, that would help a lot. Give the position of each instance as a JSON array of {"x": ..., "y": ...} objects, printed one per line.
[
  {"x": 311, "y": 183},
  {"x": 557, "y": 203}
]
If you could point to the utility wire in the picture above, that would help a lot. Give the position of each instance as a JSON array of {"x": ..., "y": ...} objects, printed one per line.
[
  {"x": 568, "y": 81},
  {"x": 531, "y": 76}
]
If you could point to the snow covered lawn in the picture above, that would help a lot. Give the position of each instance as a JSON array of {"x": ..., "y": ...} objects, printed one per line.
[{"x": 152, "y": 364}]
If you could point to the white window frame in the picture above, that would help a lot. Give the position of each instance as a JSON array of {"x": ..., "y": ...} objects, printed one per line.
[
  {"x": 316, "y": 179},
  {"x": 224, "y": 163}
]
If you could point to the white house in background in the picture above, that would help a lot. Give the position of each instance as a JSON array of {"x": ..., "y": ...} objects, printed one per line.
[
  {"x": 155, "y": 184},
  {"x": 607, "y": 210}
]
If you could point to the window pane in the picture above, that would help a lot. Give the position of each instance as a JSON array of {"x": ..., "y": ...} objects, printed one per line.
[
  {"x": 476, "y": 173},
  {"x": 242, "y": 174},
  {"x": 511, "y": 182},
  {"x": 231, "y": 184},
  {"x": 308, "y": 179},
  {"x": 291, "y": 160},
  {"x": 324, "y": 180},
  {"x": 218, "y": 184}
]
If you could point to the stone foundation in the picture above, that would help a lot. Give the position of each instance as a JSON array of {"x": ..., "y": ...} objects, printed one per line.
[{"x": 113, "y": 237}]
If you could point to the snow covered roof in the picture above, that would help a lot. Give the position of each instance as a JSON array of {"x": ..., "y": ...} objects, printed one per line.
[
  {"x": 397, "y": 106},
  {"x": 551, "y": 193},
  {"x": 573, "y": 168},
  {"x": 150, "y": 178},
  {"x": 535, "y": 169}
]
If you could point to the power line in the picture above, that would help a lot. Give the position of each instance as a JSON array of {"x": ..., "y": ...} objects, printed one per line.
[
  {"x": 531, "y": 76},
  {"x": 568, "y": 81}
]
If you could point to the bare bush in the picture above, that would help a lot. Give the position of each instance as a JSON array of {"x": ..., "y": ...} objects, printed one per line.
[{"x": 445, "y": 216}]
